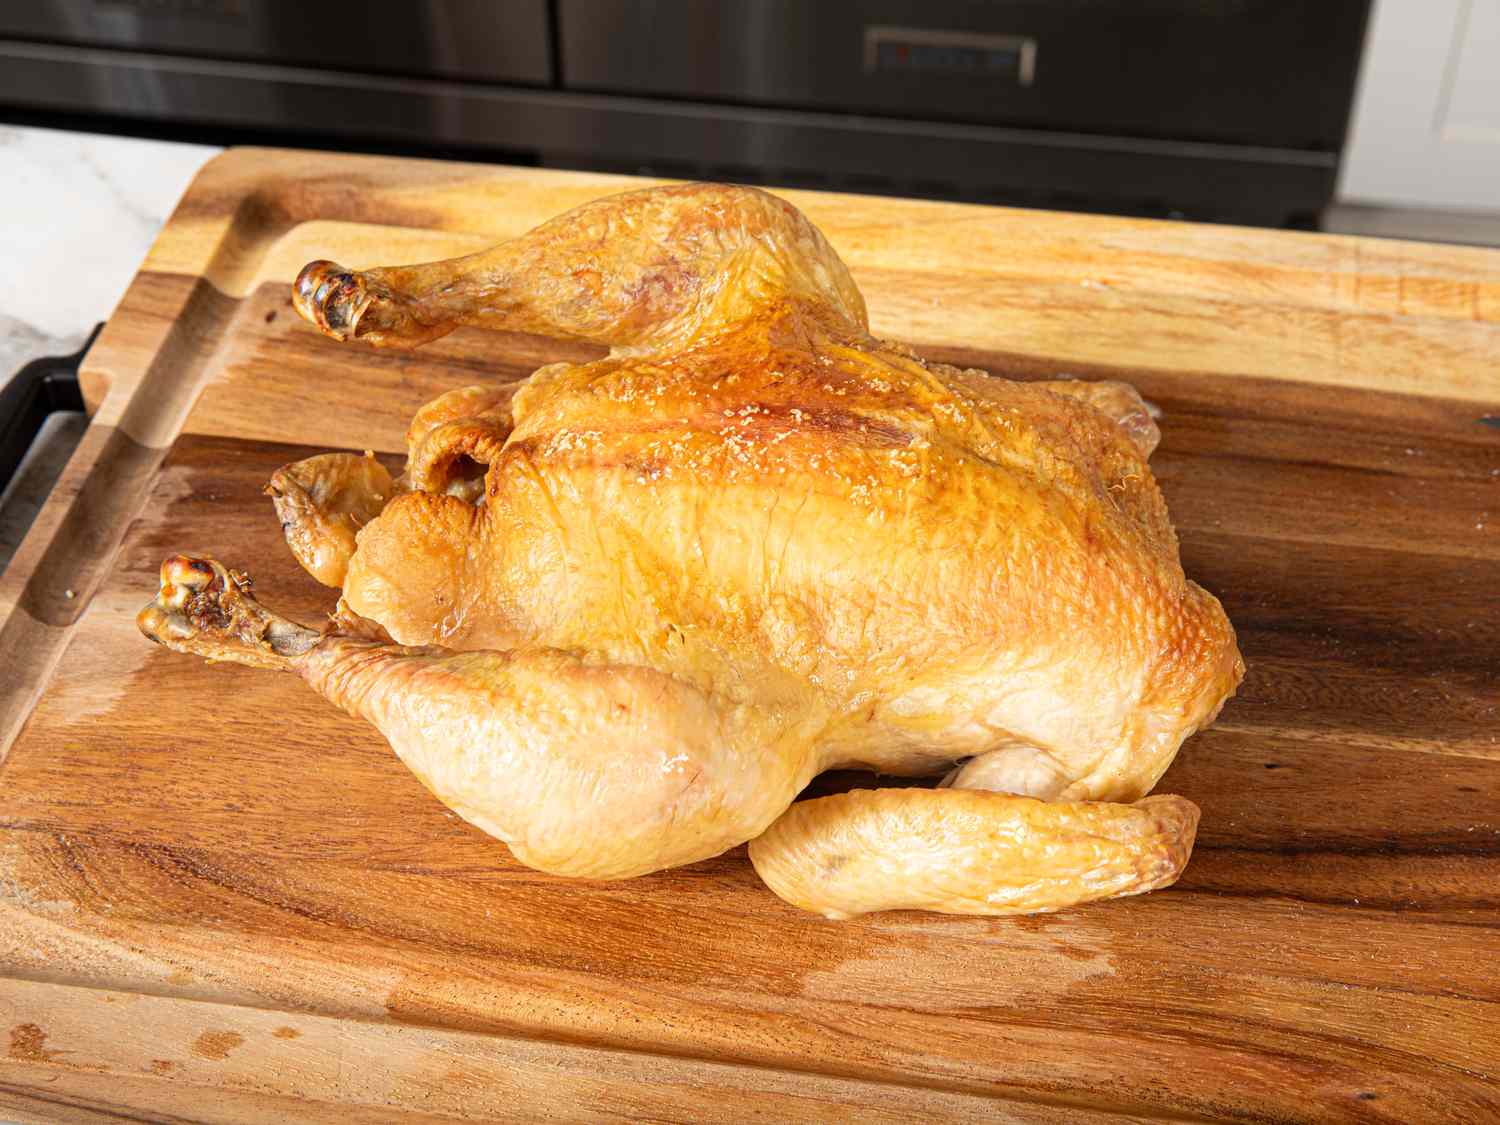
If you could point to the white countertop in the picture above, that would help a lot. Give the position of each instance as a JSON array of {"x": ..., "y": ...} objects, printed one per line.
[{"x": 78, "y": 211}]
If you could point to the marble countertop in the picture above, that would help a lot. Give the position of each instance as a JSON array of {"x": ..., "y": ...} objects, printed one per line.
[{"x": 78, "y": 211}]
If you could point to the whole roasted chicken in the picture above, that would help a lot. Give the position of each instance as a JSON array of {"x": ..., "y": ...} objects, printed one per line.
[{"x": 620, "y": 615}]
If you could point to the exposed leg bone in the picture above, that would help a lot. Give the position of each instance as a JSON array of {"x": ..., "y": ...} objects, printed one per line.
[{"x": 208, "y": 611}]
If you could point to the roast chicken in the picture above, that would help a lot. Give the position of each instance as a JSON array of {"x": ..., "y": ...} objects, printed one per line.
[{"x": 620, "y": 615}]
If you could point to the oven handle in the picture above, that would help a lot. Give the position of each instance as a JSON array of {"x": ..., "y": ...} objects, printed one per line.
[{"x": 43, "y": 387}]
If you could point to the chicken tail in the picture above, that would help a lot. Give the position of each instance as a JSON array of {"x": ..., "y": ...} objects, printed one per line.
[
  {"x": 969, "y": 851},
  {"x": 323, "y": 502}
]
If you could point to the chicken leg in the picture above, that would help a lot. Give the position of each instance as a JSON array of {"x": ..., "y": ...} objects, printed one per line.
[
  {"x": 639, "y": 271},
  {"x": 584, "y": 768}
]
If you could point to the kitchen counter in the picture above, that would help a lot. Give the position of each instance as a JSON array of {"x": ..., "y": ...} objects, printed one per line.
[{"x": 80, "y": 211}]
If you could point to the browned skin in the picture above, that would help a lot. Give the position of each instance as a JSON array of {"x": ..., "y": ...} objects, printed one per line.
[
  {"x": 323, "y": 502},
  {"x": 657, "y": 593}
]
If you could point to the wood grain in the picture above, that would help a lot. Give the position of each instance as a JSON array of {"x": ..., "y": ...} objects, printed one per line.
[{"x": 221, "y": 899}]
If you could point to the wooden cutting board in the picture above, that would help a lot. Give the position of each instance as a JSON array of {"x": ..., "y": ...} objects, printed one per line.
[{"x": 221, "y": 899}]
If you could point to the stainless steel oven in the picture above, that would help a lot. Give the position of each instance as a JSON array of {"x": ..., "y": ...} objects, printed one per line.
[{"x": 1215, "y": 109}]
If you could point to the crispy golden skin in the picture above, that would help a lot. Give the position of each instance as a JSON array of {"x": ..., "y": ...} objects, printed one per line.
[{"x": 657, "y": 593}]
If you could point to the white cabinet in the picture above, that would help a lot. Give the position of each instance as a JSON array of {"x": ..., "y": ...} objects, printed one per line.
[{"x": 1426, "y": 129}]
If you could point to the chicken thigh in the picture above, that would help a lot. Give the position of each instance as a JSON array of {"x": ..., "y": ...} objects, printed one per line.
[{"x": 621, "y": 615}]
